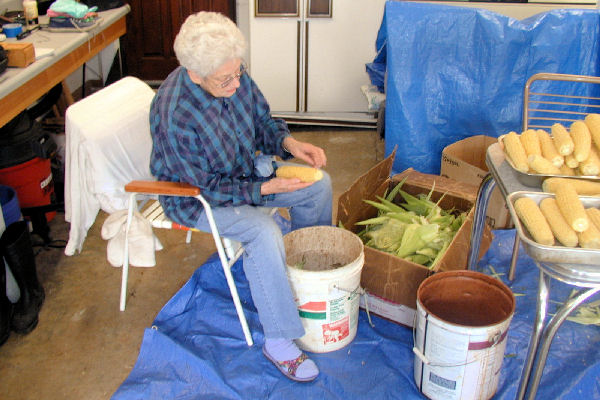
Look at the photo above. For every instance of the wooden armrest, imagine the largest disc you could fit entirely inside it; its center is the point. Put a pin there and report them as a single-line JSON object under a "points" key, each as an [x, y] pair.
{"points": [[162, 187]]}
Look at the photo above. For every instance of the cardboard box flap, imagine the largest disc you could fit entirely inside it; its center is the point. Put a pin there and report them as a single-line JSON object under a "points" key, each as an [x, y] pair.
{"points": [[470, 150], [445, 185], [351, 207], [465, 161]]}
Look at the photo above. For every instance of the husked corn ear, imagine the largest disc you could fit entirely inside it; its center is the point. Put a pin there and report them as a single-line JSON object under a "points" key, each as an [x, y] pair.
{"points": [[594, 216], [530, 214], [542, 166], [582, 140], [531, 142], [591, 166], [548, 150], [571, 162], [562, 139], [571, 207], [593, 123], [559, 226], [583, 187], [305, 174], [565, 170], [515, 151], [590, 238]]}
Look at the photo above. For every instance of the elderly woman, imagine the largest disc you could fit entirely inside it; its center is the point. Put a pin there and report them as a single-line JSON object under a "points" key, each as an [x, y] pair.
{"points": [[211, 127]]}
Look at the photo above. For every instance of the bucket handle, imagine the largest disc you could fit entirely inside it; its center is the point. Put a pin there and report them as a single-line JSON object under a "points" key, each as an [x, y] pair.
{"points": [[493, 342], [361, 291]]}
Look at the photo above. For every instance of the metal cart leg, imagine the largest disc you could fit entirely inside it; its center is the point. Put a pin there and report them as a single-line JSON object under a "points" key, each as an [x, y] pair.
{"points": [[555, 322], [542, 306], [483, 198]]}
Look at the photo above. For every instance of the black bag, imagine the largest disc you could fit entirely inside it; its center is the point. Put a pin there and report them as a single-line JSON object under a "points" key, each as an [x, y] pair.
{"points": [[3, 60], [103, 5]]}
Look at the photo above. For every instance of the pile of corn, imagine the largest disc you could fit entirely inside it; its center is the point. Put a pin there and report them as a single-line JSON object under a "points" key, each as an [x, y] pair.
{"points": [[417, 230], [562, 219], [571, 152]]}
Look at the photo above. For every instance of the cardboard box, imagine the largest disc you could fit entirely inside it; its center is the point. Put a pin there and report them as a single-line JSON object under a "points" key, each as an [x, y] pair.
{"points": [[392, 282], [19, 54], [465, 161]]}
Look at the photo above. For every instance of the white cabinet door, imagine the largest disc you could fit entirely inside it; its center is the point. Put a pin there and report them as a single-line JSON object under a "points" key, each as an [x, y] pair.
{"points": [[337, 51], [274, 60], [312, 64]]}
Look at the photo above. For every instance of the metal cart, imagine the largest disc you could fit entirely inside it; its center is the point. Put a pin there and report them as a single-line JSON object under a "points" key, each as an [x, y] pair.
{"points": [[548, 98]]}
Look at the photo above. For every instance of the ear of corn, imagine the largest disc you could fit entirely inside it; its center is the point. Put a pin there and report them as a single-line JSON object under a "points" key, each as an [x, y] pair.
{"points": [[565, 170], [533, 219], [305, 174], [590, 238], [593, 123], [590, 166], [515, 151], [542, 166], [582, 140], [559, 226], [562, 139], [583, 187], [571, 161], [548, 150], [531, 142], [571, 207], [594, 216]]}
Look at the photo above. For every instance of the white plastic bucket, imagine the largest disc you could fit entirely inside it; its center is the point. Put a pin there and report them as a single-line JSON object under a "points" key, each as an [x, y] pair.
{"points": [[324, 264], [462, 322]]}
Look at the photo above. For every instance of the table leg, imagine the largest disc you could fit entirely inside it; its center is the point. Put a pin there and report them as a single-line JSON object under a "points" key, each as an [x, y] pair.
{"points": [[555, 322], [483, 196], [542, 307]]}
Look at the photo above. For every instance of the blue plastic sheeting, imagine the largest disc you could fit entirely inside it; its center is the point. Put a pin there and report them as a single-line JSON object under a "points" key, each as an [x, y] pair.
{"points": [[197, 349], [455, 72]]}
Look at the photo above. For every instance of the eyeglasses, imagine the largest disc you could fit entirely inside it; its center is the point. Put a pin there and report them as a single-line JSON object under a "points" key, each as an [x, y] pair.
{"points": [[227, 81]]}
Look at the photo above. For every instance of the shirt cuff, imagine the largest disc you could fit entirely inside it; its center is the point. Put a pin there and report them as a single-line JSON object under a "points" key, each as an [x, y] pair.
{"points": [[257, 198], [283, 145]]}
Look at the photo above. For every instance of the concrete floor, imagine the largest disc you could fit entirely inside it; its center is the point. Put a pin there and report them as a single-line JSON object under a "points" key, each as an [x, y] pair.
{"points": [[83, 346]]}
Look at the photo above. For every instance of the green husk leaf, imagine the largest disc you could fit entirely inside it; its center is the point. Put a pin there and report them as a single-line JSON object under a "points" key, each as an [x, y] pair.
{"points": [[395, 190]]}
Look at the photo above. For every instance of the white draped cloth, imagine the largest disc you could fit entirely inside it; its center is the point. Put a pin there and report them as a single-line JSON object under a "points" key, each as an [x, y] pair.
{"points": [[108, 144]]}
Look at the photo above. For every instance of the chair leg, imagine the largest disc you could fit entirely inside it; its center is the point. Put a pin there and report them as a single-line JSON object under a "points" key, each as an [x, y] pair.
{"points": [[125, 272], [227, 272]]}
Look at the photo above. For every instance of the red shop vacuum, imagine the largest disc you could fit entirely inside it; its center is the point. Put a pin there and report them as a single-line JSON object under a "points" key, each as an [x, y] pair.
{"points": [[26, 151]]}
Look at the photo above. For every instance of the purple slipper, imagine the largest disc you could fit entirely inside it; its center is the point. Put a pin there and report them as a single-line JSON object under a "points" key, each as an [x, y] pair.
{"points": [[289, 367]]}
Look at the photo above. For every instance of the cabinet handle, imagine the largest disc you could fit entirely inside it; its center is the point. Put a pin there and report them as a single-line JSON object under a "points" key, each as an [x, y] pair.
{"points": [[298, 63], [306, 68]]}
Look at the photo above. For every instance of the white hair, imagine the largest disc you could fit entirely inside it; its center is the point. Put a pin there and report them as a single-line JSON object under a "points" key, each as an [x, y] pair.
{"points": [[206, 41]]}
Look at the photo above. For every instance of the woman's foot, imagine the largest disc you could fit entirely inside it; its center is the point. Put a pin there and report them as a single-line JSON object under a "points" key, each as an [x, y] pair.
{"points": [[290, 360]]}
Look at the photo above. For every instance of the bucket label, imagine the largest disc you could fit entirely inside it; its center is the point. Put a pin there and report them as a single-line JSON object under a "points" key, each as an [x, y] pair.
{"points": [[313, 310], [337, 308], [445, 383], [336, 331]]}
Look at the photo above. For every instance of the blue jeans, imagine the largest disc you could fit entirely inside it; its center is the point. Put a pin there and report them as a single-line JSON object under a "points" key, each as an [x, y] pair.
{"points": [[264, 255]]}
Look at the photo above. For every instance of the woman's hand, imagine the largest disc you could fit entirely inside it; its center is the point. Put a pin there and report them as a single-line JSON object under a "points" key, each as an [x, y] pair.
{"points": [[313, 155], [282, 185]]}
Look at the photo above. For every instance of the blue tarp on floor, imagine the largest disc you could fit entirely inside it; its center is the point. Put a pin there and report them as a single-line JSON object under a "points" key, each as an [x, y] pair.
{"points": [[196, 349], [454, 72]]}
